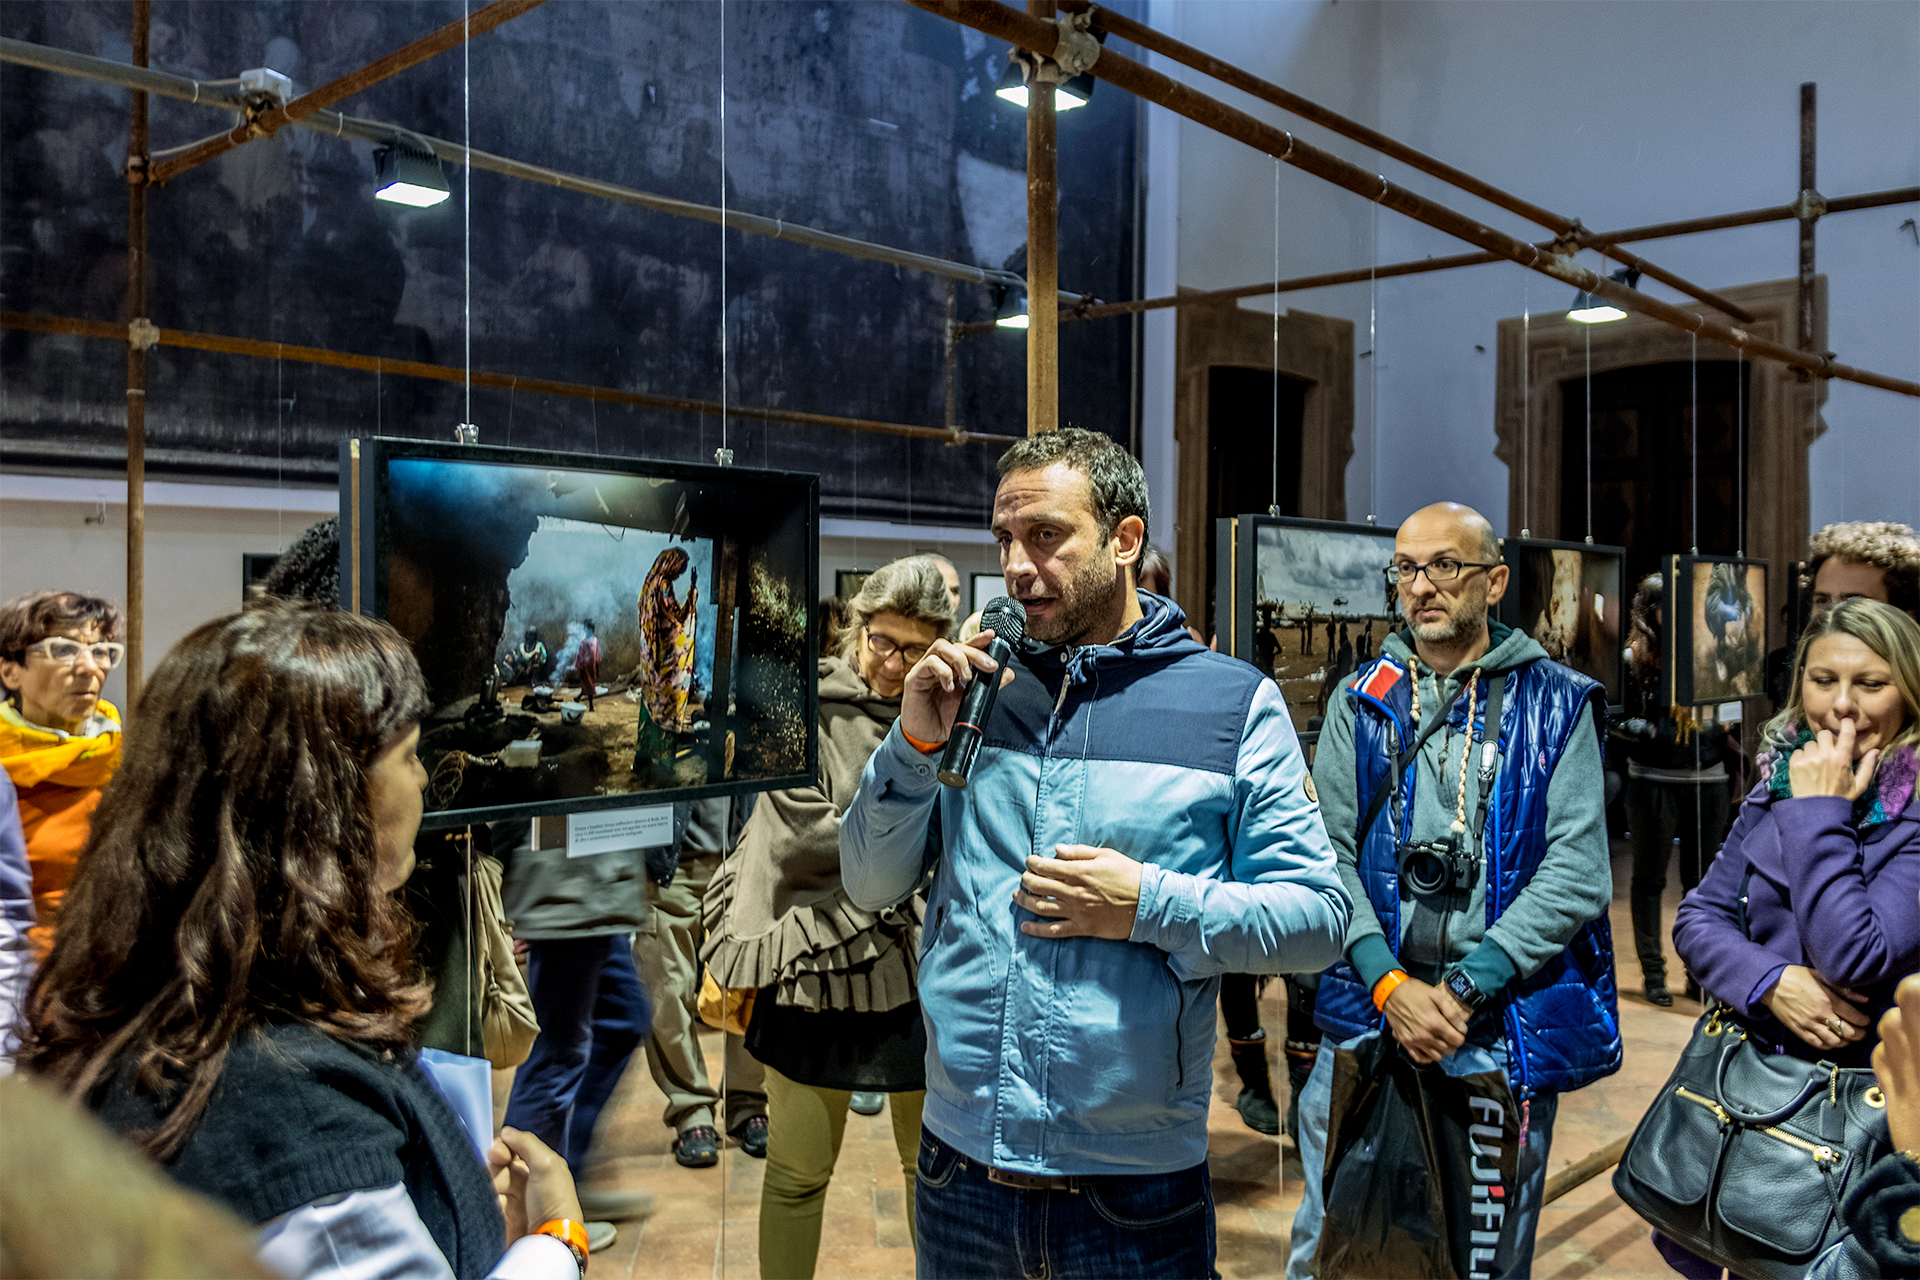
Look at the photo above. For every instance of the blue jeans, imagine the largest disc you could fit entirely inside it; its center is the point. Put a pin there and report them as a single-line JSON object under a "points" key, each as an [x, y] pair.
{"points": [[593, 1014], [1148, 1225], [1316, 1101]]}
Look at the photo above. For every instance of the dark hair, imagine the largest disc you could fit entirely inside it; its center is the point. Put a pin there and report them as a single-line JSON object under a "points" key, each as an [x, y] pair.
{"points": [[833, 616], [310, 568], [231, 878], [1889, 547], [1114, 478], [31, 618]]}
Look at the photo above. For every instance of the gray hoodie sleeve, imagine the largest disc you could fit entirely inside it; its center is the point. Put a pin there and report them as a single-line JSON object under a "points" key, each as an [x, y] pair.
{"points": [[1574, 883]]}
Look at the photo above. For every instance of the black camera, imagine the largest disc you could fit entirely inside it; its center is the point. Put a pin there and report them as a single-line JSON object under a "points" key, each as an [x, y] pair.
{"points": [[1435, 866]]}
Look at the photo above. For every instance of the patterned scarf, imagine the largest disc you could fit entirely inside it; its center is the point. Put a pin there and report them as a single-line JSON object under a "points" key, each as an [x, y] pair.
{"points": [[1885, 798]]}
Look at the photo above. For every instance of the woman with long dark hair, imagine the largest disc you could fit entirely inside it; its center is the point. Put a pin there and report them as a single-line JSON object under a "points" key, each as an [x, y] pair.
{"points": [[231, 987]]}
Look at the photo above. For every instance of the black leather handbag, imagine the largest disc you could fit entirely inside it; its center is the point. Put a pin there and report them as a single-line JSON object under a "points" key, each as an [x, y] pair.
{"points": [[1745, 1157]]}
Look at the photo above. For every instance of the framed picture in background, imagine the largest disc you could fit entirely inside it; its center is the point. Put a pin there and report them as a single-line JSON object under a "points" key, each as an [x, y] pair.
{"points": [[1716, 609], [1306, 601], [1568, 596], [254, 568], [596, 632], [847, 582], [984, 587]]}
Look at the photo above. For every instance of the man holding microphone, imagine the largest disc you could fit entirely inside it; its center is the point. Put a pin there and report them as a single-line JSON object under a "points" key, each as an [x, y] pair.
{"points": [[1138, 821]]}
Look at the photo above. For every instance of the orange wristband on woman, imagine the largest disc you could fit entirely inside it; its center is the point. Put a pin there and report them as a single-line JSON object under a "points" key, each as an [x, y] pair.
{"points": [[1386, 986], [568, 1232], [924, 748]]}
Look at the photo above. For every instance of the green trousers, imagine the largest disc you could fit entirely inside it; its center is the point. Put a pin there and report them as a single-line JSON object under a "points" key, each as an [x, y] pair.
{"points": [[804, 1128]]}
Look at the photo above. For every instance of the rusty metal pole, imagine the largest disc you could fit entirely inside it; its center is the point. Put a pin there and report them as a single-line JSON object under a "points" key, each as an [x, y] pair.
{"points": [[1808, 207], [1043, 250], [137, 366]]}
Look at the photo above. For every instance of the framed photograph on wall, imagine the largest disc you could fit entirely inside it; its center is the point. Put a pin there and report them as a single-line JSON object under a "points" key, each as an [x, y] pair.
{"points": [[847, 582], [1306, 601], [1568, 597], [254, 568], [983, 588], [597, 633], [1717, 625]]}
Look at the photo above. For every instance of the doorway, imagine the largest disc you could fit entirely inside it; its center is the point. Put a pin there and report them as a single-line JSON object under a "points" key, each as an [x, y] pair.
{"points": [[1659, 479], [1249, 413], [1231, 364]]}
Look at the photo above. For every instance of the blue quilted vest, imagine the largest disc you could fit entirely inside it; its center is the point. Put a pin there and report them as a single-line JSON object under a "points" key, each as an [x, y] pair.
{"points": [[1563, 1022]]}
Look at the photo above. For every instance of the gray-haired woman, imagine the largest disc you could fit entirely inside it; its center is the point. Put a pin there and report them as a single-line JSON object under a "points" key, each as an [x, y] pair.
{"points": [[838, 1009]]}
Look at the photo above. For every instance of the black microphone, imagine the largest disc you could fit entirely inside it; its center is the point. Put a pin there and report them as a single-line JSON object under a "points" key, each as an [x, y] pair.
{"points": [[1007, 619]]}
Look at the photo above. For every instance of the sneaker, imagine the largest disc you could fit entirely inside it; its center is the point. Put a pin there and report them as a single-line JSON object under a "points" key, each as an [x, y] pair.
{"points": [[600, 1204], [698, 1147], [600, 1235], [867, 1104], [751, 1134]]}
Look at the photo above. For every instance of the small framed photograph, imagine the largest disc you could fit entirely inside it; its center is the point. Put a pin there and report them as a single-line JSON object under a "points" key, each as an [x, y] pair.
{"points": [[847, 582], [1716, 638], [1568, 596], [254, 568]]}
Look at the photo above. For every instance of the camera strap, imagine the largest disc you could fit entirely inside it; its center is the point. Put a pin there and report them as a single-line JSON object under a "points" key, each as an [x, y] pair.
{"points": [[1407, 757]]}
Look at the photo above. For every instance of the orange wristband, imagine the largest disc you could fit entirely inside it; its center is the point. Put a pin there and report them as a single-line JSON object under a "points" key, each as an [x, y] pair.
{"points": [[568, 1232], [924, 748], [1385, 987]]}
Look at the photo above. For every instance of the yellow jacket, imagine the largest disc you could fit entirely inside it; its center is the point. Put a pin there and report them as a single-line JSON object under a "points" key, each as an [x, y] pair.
{"points": [[59, 779]]}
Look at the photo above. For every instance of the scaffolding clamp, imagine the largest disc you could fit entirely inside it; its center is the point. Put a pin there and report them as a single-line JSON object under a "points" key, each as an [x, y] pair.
{"points": [[143, 334], [1073, 53], [1809, 205]]}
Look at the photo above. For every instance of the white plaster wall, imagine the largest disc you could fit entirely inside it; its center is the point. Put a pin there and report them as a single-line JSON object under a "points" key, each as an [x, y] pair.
{"points": [[1616, 113], [192, 557]]}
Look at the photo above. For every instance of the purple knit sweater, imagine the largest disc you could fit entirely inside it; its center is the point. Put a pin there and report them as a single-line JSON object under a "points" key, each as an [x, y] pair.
{"points": [[1820, 896]]}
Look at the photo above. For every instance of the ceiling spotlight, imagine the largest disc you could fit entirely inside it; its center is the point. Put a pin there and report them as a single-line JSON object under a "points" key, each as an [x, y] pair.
{"points": [[404, 174], [1011, 313], [1590, 308], [1074, 93]]}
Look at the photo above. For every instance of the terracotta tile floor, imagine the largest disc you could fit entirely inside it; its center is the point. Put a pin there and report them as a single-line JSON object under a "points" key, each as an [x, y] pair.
{"points": [[704, 1222]]}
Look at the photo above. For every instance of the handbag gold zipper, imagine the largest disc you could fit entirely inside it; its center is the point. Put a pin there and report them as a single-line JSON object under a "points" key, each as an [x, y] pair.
{"points": [[1708, 1103], [1823, 1154]]}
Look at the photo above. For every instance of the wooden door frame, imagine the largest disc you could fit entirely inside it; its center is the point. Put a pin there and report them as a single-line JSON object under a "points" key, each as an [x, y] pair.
{"points": [[1783, 415], [1316, 350]]}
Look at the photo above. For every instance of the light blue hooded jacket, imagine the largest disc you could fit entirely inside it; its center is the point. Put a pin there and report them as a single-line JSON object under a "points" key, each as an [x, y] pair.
{"points": [[1090, 1055]]}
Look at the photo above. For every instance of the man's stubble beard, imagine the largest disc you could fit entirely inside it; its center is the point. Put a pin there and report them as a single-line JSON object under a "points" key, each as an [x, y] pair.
{"points": [[1462, 622], [1084, 599]]}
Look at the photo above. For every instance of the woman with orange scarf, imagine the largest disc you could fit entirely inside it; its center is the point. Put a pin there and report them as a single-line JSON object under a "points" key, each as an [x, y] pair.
{"points": [[59, 741]]}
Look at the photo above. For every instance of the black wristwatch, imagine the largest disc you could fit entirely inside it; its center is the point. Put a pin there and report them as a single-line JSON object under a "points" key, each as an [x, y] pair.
{"points": [[1461, 984]]}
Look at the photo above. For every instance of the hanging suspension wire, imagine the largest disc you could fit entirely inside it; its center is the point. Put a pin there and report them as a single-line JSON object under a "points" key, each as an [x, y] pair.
{"points": [[1373, 369], [1526, 407], [725, 455], [1273, 508], [1693, 443], [466, 219], [1589, 341]]}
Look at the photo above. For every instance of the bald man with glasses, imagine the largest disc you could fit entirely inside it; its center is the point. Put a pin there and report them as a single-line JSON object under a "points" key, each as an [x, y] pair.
{"points": [[1481, 880]]}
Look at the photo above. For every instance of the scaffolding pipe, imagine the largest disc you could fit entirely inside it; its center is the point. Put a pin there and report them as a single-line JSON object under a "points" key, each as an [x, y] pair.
{"points": [[1213, 297], [1809, 211], [133, 336], [40, 323], [254, 126], [1043, 246], [334, 124], [1225, 72], [1010, 24]]}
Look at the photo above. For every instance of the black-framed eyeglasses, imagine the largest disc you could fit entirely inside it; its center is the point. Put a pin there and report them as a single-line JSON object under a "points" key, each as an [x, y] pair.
{"points": [[884, 649], [1437, 571], [63, 652]]}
